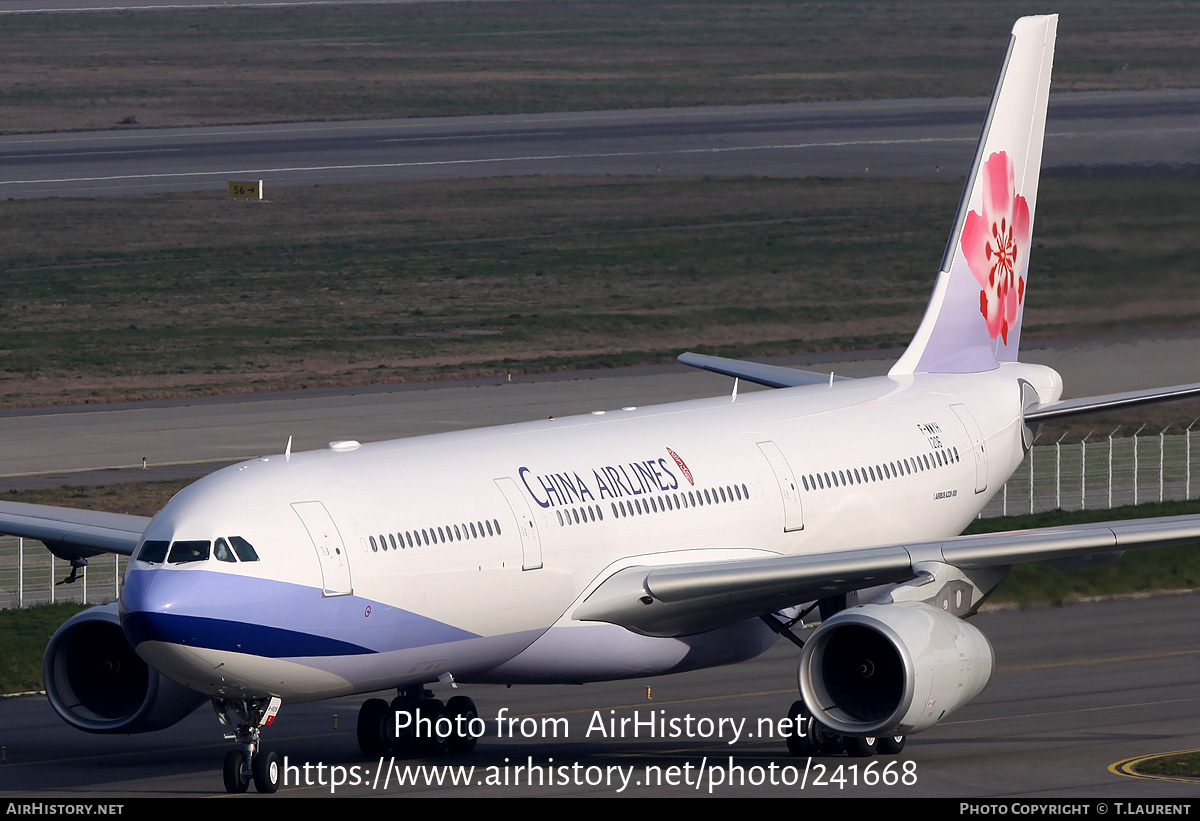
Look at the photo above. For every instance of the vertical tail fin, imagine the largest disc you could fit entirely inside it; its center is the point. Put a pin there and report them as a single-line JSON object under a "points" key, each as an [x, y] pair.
{"points": [[973, 321]]}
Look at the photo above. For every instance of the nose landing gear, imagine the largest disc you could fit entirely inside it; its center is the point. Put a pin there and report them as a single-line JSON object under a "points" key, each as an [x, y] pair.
{"points": [[248, 762]]}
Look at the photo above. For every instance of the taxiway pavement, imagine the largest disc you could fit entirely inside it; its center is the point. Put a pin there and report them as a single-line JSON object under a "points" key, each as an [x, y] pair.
{"points": [[1125, 132], [97, 444]]}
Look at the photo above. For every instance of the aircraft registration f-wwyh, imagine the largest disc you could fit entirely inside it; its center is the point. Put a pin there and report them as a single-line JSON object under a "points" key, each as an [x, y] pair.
{"points": [[631, 543]]}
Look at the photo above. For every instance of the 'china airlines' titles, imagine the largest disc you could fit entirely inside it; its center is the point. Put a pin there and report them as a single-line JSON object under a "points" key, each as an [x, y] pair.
{"points": [[606, 482]]}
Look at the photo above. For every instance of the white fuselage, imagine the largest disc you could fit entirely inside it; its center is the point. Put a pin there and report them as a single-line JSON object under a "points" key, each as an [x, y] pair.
{"points": [[466, 553]]}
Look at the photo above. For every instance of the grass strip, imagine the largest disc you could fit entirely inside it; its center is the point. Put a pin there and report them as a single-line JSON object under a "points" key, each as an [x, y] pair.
{"points": [[1163, 568], [171, 67], [1186, 765], [181, 294]]}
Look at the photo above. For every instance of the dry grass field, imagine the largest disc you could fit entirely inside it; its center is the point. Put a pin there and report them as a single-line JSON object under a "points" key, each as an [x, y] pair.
{"points": [[209, 66], [179, 294]]}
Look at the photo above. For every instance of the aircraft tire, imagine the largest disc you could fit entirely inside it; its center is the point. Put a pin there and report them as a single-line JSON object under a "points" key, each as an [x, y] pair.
{"points": [[372, 731], [235, 772], [461, 711], [266, 772], [892, 744], [402, 744], [803, 740], [427, 743], [857, 747]]}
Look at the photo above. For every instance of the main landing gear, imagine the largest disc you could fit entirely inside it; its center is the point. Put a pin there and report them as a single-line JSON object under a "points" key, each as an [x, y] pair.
{"points": [[248, 762], [416, 723], [810, 737]]}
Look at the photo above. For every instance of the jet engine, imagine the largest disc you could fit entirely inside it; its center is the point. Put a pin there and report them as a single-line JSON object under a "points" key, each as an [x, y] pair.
{"points": [[892, 669], [97, 683]]}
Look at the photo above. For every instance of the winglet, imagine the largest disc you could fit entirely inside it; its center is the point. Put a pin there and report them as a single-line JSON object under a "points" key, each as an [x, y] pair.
{"points": [[973, 321]]}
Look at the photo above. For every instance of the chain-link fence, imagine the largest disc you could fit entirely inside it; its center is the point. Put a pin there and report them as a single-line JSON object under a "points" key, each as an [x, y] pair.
{"points": [[30, 574], [1102, 472]]}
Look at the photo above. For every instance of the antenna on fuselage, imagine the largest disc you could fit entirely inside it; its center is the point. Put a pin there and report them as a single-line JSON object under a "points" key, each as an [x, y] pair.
{"points": [[287, 452], [735, 384]]}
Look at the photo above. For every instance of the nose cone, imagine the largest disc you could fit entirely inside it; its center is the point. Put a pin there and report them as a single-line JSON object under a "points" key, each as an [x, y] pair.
{"points": [[161, 605]]}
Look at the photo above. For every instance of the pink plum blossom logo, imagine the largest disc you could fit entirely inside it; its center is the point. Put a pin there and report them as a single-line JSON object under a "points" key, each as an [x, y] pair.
{"points": [[996, 245]]}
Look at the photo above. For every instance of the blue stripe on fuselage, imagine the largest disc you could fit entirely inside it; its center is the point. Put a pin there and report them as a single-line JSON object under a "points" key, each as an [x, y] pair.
{"points": [[237, 637], [273, 619]]}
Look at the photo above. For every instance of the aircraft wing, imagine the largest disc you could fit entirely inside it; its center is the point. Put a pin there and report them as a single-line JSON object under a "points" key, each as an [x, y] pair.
{"points": [[70, 533], [1092, 404], [773, 376], [679, 600]]}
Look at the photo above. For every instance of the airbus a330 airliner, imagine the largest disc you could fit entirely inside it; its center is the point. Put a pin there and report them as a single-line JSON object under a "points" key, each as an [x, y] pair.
{"points": [[632, 543]]}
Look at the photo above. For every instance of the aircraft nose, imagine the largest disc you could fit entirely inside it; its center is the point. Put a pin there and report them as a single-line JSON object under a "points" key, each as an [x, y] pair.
{"points": [[155, 604]]}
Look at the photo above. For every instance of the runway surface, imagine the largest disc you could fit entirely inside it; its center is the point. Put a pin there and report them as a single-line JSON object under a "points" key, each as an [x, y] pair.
{"points": [[185, 438], [1076, 690], [1129, 131]]}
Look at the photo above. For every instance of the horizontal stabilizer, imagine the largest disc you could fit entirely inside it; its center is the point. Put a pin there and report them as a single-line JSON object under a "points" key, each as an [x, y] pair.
{"points": [[686, 599], [1092, 404], [773, 376], [70, 533]]}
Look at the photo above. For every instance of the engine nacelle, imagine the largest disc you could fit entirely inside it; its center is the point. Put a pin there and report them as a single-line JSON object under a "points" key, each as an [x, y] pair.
{"points": [[892, 669], [97, 683]]}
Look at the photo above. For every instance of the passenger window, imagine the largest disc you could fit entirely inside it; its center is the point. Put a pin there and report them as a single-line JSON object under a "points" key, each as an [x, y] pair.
{"points": [[194, 550]]}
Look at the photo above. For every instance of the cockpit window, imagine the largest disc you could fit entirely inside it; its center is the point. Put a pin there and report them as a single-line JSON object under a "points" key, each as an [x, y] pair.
{"points": [[223, 552], [153, 550], [189, 551], [245, 551]]}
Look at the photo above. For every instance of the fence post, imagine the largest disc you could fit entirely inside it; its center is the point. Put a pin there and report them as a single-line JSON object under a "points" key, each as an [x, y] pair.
{"points": [[1135, 465], [1058, 472], [1031, 449], [1083, 471], [1110, 447], [1162, 434], [1187, 446]]}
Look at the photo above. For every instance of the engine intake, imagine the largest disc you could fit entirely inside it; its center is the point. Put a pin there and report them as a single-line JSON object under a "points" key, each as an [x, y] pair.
{"points": [[892, 669], [97, 683]]}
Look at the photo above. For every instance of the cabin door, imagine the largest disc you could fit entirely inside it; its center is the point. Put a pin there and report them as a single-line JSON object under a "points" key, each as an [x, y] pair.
{"points": [[531, 543], [978, 449], [331, 552], [793, 509]]}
